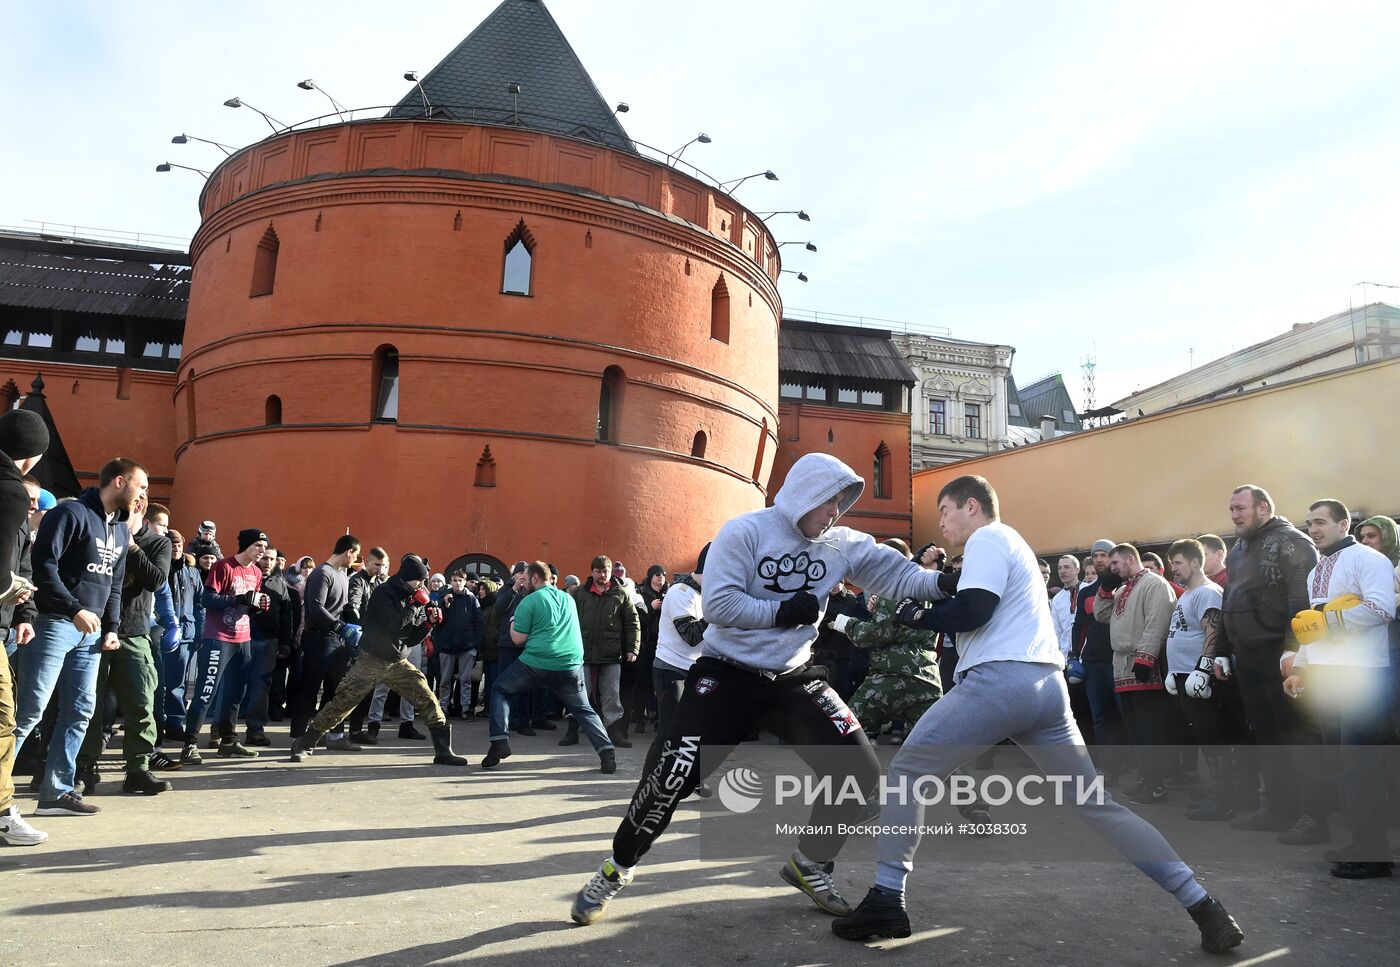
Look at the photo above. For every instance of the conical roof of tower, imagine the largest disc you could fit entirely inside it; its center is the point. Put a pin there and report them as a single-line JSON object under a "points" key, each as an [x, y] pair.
{"points": [[518, 43]]}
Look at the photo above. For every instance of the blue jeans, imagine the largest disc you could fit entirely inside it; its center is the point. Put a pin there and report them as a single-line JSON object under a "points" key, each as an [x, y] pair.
{"points": [[567, 686], [520, 703], [60, 656], [243, 677], [213, 656], [170, 693]]}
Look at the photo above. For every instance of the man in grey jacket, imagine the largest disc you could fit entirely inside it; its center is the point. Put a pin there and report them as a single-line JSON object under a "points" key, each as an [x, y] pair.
{"points": [[768, 576]]}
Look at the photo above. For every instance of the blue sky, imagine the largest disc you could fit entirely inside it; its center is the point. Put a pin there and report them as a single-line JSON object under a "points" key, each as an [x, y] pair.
{"points": [[1136, 180]]}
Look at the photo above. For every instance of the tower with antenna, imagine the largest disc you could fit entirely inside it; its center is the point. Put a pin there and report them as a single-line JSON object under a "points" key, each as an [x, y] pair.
{"points": [[1087, 366]]}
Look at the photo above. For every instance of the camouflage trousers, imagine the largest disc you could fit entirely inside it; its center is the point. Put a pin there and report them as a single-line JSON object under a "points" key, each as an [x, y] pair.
{"points": [[369, 671], [882, 699]]}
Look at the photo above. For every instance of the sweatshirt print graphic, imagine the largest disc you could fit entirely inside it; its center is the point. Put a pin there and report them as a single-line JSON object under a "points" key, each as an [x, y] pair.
{"points": [[761, 559]]}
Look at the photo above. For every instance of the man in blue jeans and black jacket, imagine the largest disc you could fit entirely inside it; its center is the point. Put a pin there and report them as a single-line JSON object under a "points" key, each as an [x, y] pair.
{"points": [[79, 562]]}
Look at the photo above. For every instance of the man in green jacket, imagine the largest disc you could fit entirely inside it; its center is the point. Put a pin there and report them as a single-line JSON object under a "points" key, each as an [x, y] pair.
{"points": [[612, 634]]}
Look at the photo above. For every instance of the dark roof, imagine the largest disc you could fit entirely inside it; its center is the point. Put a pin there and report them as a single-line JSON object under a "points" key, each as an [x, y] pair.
{"points": [[1015, 415], [86, 283], [1049, 397], [519, 43], [55, 472], [821, 350]]}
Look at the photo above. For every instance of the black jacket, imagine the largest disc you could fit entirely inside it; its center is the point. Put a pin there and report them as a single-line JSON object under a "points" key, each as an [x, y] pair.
{"points": [[1090, 638], [12, 616], [147, 568], [14, 516], [80, 560], [651, 617], [275, 624], [1268, 585], [463, 624], [392, 622], [506, 600], [361, 587]]}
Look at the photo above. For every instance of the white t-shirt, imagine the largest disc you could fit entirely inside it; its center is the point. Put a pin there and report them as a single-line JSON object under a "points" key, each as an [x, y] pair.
{"points": [[681, 601], [998, 559], [1185, 635]]}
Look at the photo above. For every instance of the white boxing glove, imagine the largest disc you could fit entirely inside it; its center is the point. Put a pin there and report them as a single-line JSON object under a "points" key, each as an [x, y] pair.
{"points": [[840, 622], [1170, 683], [1198, 682]]}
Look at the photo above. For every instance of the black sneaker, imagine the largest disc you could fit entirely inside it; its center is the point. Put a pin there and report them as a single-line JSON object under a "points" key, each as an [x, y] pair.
{"points": [[1259, 821], [881, 914], [1305, 832], [1362, 871], [142, 783], [607, 761], [1145, 795], [257, 737], [1210, 810], [1184, 780], [163, 762], [526, 729], [500, 749], [703, 791], [362, 738], [189, 755], [407, 731], [1219, 931], [543, 725], [68, 804]]}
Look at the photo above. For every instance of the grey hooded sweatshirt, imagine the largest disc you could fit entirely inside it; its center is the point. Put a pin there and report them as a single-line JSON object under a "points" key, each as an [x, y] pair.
{"points": [[760, 559]]}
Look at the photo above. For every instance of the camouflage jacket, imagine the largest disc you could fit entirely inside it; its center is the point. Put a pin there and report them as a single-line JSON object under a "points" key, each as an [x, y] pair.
{"points": [[895, 649]]}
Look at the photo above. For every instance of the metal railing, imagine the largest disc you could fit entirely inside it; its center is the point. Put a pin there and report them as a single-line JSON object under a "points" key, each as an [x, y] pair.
{"points": [[503, 117], [866, 322], [106, 236]]}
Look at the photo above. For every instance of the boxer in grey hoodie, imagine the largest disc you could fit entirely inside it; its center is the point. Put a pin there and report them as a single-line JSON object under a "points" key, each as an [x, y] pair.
{"points": [[767, 579]]}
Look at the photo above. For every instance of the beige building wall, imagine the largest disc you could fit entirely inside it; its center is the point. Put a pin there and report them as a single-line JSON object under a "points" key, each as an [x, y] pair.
{"points": [[1170, 475]]}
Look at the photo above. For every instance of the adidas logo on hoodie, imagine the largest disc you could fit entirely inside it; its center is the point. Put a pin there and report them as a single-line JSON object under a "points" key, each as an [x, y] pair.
{"points": [[107, 553]]}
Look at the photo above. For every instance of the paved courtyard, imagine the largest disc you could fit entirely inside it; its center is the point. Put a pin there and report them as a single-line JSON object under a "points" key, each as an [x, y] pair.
{"points": [[380, 858]]}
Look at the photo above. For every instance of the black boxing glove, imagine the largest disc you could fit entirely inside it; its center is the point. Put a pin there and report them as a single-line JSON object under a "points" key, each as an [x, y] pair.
{"points": [[1108, 581], [938, 561], [250, 598], [911, 612], [800, 609]]}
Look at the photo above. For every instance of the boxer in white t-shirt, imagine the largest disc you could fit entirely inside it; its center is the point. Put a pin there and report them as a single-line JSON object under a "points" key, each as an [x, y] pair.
{"points": [[1009, 686]]}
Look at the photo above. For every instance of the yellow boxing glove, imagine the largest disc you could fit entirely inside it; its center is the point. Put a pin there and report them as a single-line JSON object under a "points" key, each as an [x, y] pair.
{"points": [[1309, 627], [1333, 609]]}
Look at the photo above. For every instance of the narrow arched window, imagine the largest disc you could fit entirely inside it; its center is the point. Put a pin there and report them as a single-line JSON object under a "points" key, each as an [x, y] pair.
{"points": [[386, 384], [485, 469], [719, 311], [610, 404], [265, 264], [519, 261], [190, 406], [272, 411], [882, 471], [697, 446]]}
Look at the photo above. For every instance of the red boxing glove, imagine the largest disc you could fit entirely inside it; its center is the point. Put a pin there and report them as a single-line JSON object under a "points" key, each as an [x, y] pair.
{"points": [[434, 616], [421, 596], [428, 648]]}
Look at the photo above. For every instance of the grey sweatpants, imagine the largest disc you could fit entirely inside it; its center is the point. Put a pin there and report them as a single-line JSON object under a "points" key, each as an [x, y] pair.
{"points": [[1029, 704]]}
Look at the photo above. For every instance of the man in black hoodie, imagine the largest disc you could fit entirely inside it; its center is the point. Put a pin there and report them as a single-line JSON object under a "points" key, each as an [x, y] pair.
{"points": [[131, 669], [79, 562], [396, 619], [23, 439]]}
